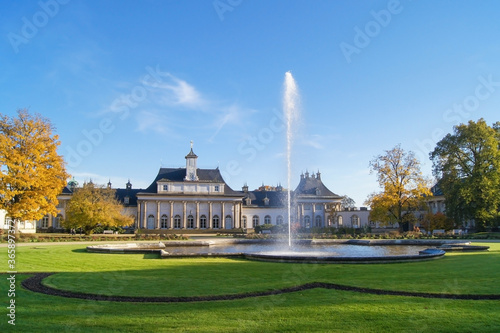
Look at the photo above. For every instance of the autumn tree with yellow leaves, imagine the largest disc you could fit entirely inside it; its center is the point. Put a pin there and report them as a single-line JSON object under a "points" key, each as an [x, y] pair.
{"points": [[404, 188], [32, 173], [94, 205]]}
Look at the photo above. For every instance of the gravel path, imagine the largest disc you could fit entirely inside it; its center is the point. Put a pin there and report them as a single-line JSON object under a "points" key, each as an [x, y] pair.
{"points": [[34, 283]]}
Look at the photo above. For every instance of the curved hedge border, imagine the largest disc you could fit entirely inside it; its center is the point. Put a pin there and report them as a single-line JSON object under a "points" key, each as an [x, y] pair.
{"points": [[34, 284]]}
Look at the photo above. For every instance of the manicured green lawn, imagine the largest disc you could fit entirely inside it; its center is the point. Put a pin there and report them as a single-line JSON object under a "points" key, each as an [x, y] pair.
{"points": [[306, 311]]}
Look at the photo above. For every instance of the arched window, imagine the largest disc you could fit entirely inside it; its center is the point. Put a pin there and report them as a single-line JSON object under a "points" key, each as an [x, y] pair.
{"points": [[164, 221], [267, 219], [177, 222], [203, 222], [228, 222], [307, 221], [317, 221], [340, 221], [244, 220], [151, 222], [215, 222], [190, 222], [355, 221], [44, 222], [279, 220], [255, 221], [57, 221]]}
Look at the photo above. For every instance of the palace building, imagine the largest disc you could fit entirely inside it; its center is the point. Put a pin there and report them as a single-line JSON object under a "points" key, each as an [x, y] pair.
{"points": [[193, 198]]}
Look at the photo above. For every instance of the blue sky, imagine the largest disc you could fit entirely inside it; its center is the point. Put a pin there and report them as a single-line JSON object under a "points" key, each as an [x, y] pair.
{"points": [[128, 84]]}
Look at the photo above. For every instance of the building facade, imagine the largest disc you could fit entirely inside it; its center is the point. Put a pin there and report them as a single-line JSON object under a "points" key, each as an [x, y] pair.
{"points": [[193, 198]]}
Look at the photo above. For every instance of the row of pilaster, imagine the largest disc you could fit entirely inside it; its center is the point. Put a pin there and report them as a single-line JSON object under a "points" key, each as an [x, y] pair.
{"points": [[142, 214]]}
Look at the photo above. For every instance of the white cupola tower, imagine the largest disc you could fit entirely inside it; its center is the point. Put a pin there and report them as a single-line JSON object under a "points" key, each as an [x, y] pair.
{"points": [[191, 165]]}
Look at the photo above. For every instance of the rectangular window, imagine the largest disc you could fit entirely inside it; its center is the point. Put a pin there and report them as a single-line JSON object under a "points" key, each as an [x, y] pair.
{"points": [[216, 188], [165, 187], [126, 200]]}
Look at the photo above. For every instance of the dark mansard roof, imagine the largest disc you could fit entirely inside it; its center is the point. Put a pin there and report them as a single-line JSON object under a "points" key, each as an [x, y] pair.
{"points": [[312, 185], [258, 198], [121, 193], [179, 174]]}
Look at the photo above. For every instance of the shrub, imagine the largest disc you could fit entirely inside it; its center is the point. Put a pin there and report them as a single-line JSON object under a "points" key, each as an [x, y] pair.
{"points": [[260, 228]]}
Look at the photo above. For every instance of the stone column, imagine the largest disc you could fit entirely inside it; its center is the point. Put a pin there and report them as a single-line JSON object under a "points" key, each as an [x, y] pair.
{"points": [[210, 226], [157, 215], [138, 215], [301, 218], [324, 215], [184, 217], [197, 217], [144, 215], [236, 215], [223, 217], [171, 225], [314, 215]]}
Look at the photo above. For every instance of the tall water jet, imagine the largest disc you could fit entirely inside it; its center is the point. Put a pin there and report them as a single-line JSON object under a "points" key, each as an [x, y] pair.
{"points": [[290, 109]]}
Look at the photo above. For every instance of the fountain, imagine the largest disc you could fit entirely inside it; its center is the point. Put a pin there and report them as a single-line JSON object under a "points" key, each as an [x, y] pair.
{"points": [[305, 251], [290, 109]]}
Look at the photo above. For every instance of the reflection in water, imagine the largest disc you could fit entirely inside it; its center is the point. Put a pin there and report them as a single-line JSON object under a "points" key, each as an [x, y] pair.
{"points": [[341, 250]]}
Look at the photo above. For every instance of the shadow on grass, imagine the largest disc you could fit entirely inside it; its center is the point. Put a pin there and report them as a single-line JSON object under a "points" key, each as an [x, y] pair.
{"points": [[151, 256], [82, 250]]}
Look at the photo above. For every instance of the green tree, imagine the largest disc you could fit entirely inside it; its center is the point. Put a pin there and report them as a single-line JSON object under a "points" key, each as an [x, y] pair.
{"points": [[404, 187], [92, 206], [467, 163], [437, 221], [32, 174]]}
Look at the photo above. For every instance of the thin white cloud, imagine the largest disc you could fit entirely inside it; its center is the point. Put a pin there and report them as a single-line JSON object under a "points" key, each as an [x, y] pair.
{"points": [[172, 91], [229, 115], [160, 104]]}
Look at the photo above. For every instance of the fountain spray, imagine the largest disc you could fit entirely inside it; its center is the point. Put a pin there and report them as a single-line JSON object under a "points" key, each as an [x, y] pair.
{"points": [[290, 109]]}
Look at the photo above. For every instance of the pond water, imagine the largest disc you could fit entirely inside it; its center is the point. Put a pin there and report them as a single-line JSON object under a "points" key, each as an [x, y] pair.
{"points": [[337, 250]]}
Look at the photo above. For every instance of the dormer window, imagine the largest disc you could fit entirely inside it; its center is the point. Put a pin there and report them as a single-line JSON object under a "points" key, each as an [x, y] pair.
{"points": [[318, 191], [248, 201], [266, 201], [216, 188], [126, 200]]}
